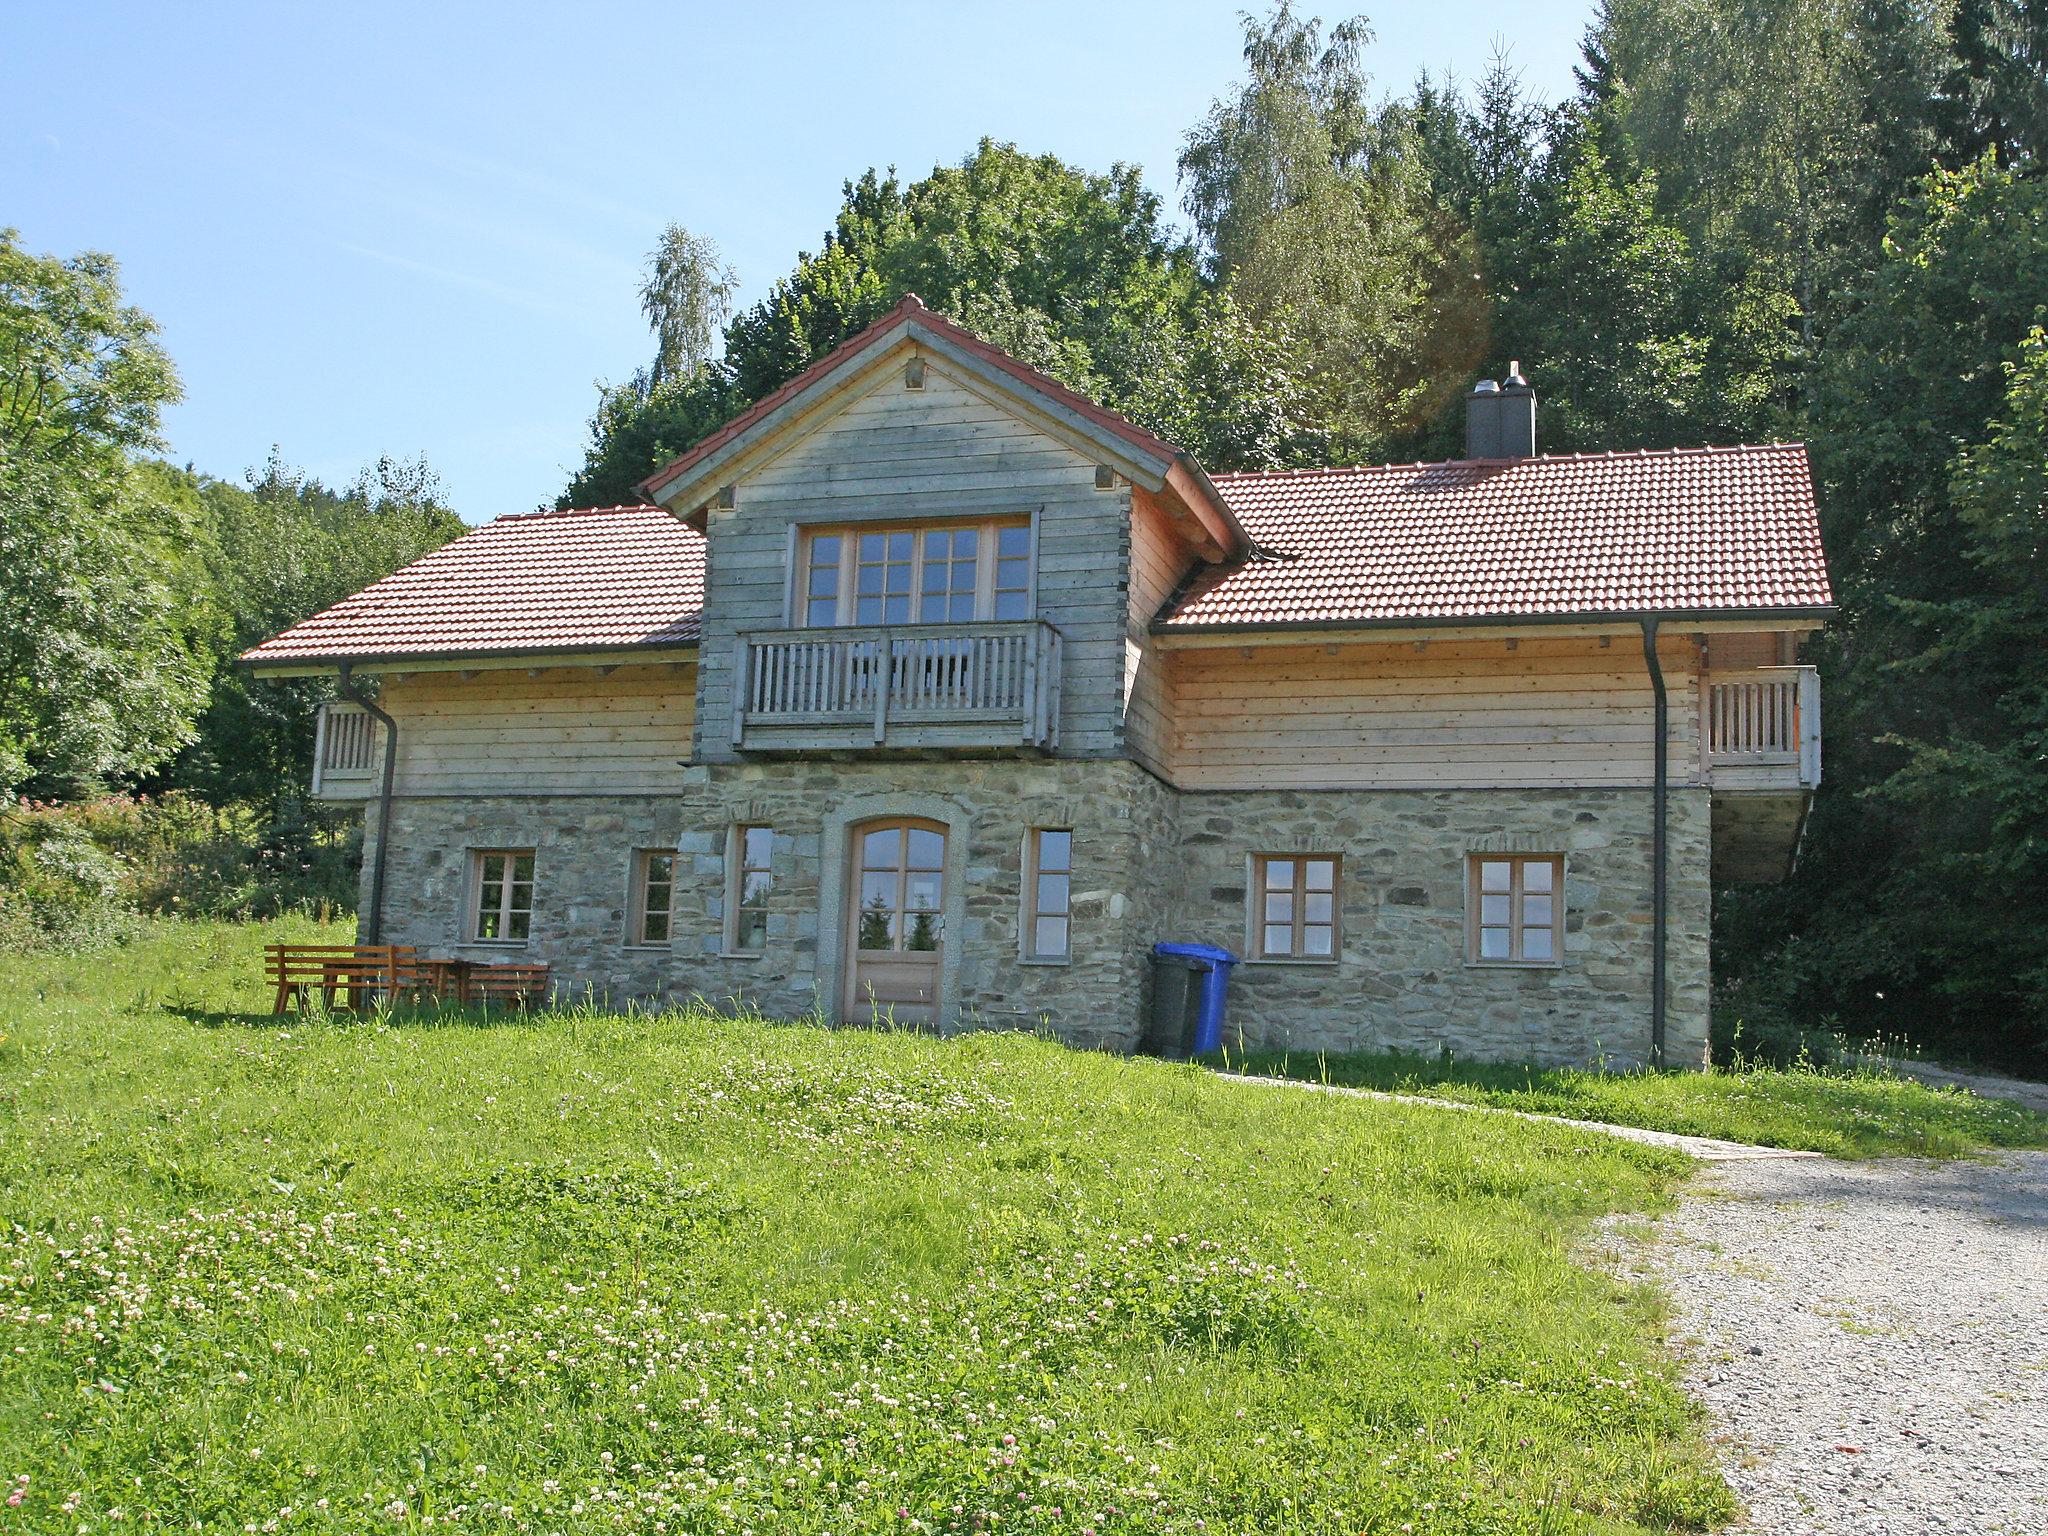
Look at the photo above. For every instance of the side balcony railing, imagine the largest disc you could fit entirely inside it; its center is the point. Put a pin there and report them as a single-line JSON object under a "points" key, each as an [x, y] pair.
{"points": [[941, 685], [347, 747], [1767, 721]]}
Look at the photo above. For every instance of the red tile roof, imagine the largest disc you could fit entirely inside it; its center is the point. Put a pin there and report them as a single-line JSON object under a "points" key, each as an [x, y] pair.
{"points": [[911, 308], [536, 582], [1678, 530]]}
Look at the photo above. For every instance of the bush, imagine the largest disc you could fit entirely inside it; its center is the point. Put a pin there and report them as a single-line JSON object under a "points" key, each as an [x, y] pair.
{"points": [[1752, 1028], [76, 876]]}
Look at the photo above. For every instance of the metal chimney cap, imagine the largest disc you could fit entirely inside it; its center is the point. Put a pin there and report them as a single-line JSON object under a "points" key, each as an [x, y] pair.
{"points": [[1514, 380], [1486, 387]]}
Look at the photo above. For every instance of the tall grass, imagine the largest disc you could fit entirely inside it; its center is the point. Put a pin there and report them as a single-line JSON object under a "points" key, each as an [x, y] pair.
{"points": [[693, 1272]]}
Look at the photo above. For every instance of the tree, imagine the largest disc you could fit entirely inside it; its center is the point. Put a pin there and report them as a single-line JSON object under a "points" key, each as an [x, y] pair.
{"points": [[276, 552], [1075, 273], [1904, 916], [686, 298], [101, 670], [1316, 215]]}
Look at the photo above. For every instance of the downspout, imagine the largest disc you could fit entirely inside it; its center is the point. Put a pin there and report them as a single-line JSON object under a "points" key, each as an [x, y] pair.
{"points": [[1660, 903], [373, 920]]}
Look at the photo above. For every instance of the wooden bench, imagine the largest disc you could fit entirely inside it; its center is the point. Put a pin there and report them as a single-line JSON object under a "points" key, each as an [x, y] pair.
{"points": [[463, 982], [359, 971], [522, 986]]}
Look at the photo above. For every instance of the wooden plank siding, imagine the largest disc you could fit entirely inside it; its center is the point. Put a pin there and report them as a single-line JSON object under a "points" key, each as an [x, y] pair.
{"points": [[1159, 558], [1447, 714], [568, 729], [893, 454]]}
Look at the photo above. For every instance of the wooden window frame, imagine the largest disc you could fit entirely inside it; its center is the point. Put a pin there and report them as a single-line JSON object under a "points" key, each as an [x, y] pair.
{"points": [[736, 871], [1027, 932], [639, 909], [845, 602], [1298, 924], [473, 896], [1517, 895]]}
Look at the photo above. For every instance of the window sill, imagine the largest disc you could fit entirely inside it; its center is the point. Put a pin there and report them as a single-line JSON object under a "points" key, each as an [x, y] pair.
{"points": [[496, 944], [1294, 960], [1056, 961], [1514, 965], [663, 948], [743, 954]]}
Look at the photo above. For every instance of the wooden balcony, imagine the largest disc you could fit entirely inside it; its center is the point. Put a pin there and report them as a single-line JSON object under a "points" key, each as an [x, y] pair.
{"points": [[1762, 728], [1761, 732], [347, 752], [914, 687]]}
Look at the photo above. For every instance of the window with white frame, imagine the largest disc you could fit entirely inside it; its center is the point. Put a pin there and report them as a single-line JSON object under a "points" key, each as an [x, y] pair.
{"points": [[926, 573], [1515, 908], [749, 877], [501, 895], [654, 897], [1294, 906], [1049, 893]]}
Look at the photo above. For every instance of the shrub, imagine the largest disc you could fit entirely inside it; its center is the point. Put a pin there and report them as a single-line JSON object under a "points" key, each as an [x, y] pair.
{"points": [[75, 876]]}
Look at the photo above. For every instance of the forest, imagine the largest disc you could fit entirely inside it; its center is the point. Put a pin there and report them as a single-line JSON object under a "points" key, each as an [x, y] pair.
{"points": [[1753, 220]]}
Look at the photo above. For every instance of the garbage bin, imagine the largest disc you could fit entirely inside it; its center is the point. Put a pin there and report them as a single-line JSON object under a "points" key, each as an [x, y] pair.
{"points": [[1190, 982]]}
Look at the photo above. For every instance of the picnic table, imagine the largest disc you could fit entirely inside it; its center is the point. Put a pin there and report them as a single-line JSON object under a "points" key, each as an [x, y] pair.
{"points": [[359, 972]]}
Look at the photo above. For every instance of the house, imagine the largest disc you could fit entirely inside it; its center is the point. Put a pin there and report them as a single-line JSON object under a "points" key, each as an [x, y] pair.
{"points": [[929, 685]]}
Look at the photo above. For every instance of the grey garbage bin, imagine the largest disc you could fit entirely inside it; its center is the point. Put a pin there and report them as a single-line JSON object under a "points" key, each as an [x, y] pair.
{"points": [[1176, 1006]]}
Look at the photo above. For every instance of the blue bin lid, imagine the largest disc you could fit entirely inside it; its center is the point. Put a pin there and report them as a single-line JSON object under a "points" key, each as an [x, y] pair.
{"points": [[1207, 952]]}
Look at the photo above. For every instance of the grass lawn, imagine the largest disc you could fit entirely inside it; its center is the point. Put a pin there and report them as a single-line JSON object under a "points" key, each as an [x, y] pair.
{"points": [[1861, 1113], [690, 1273]]}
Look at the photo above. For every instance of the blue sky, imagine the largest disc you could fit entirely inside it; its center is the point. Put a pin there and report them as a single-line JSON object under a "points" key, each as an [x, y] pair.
{"points": [[418, 228]]}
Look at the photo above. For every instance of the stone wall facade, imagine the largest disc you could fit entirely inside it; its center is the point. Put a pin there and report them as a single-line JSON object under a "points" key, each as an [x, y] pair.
{"points": [[1150, 863]]}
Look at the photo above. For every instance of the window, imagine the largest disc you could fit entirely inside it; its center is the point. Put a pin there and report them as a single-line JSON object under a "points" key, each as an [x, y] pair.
{"points": [[1515, 909], [1048, 893], [935, 573], [1294, 907], [654, 896], [502, 879], [749, 878]]}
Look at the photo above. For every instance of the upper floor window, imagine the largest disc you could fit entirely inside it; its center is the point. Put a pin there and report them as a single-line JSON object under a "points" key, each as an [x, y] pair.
{"points": [[932, 573]]}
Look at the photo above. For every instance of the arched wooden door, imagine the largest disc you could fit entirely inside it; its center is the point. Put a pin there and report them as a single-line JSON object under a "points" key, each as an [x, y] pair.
{"points": [[895, 921]]}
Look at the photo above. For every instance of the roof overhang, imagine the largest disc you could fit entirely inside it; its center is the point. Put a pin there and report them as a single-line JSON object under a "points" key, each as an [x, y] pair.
{"points": [[470, 661], [1491, 626]]}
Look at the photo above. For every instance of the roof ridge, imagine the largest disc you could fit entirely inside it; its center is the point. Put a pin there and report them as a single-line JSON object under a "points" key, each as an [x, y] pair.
{"points": [[520, 517], [1232, 475]]}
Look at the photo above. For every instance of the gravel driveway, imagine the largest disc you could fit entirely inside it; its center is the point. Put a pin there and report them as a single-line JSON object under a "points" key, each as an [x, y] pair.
{"points": [[1871, 1340]]}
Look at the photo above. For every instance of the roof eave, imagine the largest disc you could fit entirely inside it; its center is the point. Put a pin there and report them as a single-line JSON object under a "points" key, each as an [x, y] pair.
{"points": [[1794, 613], [447, 660]]}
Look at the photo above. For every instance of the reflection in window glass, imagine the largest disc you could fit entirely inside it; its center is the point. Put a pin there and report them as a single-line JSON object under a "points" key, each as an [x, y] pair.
{"points": [[750, 879], [504, 899], [655, 897], [902, 885], [935, 573]]}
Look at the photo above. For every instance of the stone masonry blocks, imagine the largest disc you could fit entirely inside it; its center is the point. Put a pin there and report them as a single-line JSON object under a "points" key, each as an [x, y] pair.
{"points": [[1150, 863]]}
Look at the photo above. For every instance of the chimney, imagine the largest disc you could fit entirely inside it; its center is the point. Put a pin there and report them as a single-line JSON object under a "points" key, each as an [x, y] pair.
{"points": [[1500, 419]]}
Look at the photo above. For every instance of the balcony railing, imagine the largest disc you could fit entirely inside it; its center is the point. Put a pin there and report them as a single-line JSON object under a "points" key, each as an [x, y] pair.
{"points": [[939, 685], [346, 751], [1768, 719]]}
